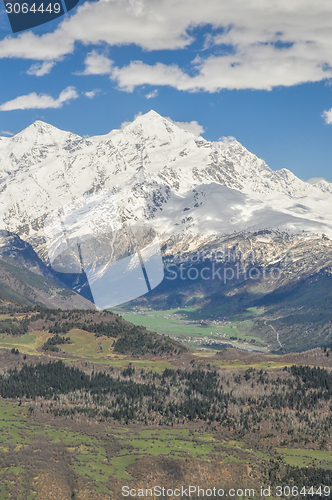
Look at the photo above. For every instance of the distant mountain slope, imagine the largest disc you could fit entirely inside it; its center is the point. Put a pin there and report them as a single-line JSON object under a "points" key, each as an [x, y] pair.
{"points": [[23, 286], [13, 248], [18, 284]]}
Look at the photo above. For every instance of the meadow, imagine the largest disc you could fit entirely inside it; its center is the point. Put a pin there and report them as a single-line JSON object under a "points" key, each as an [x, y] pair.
{"points": [[180, 324], [85, 347], [98, 457]]}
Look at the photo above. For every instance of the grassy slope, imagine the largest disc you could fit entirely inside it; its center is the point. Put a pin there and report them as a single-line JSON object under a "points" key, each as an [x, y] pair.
{"points": [[20, 285], [101, 460], [85, 347], [56, 458]]}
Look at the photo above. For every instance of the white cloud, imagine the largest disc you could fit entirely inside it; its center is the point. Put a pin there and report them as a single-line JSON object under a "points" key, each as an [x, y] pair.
{"points": [[209, 41], [152, 94], [48, 47], [259, 67], [138, 73], [39, 101], [97, 64], [315, 180], [151, 25], [124, 124], [194, 127], [227, 139], [92, 93], [327, 115], [273, 43], [41, 69], [6, 132]]}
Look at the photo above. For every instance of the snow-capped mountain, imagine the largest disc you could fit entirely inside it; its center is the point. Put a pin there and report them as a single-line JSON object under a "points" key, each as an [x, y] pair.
{"points": [[190, 189]]}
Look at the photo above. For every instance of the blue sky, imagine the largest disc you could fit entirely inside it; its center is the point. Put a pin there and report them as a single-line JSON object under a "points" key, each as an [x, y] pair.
{"points": [[258, 71]]}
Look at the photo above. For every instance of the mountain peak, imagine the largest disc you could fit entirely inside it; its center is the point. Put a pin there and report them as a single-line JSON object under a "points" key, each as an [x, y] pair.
{"points": [[38, 126], [150, 117], [153, 126], [40, 132], [152, 113], [40, 123]]}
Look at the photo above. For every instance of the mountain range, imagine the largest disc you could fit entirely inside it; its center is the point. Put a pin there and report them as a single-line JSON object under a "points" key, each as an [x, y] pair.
{"points": [[200, 196], [188, 186]]}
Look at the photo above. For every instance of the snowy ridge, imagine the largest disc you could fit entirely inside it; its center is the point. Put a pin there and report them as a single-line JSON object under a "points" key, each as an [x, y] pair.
{"points": [[188, 187]]}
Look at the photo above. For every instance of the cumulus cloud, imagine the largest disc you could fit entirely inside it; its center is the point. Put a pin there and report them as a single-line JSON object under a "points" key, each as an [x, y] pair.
{"points": [[194, 127], [92, 93], [152, 94], [124, 124], [48, 47], [327, 115], [251, 44], [227, 139], [41, 69], [39, 101], [259, 67], [139, 73], [315, 180], [97, 64]]}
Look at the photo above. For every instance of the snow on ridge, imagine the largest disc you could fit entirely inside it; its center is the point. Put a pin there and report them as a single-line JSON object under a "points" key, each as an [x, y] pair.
{"points": [[157, 171]]}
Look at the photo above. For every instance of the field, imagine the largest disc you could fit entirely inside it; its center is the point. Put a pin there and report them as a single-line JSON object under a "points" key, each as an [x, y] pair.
{"points": [[99, 458], [181, 324], [307, 458], [85, 347], [65, 459], [271, 363], [88, 349]]}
